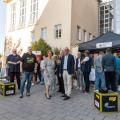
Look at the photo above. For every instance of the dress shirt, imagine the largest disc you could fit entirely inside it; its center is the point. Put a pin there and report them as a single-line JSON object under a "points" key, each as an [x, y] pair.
{"points": [[78, 62], [65, 62]]}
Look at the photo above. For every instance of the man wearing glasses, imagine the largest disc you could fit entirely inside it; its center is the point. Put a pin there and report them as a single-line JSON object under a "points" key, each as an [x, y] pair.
{"points": [[13, 61], [27, 67]]}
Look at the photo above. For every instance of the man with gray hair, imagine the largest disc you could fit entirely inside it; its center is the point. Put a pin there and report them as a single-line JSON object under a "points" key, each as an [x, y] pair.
{"points": [[67, 68]]}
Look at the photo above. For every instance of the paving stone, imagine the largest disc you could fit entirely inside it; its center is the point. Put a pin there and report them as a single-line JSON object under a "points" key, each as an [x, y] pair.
{"points": [[37, 107]]}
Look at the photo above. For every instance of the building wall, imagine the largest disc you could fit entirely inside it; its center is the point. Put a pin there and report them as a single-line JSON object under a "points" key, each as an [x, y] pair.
{"points": [[21, 36], [51, 13], [67, 13], [84, 15], [114, 19], [116, 4], [56, 12], [106, 17]]}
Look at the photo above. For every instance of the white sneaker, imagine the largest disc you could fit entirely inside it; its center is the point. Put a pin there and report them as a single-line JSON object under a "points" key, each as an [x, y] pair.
{"points": [[118, 89], [33, 84], [77, 88], [96, 90], [81, 88]]}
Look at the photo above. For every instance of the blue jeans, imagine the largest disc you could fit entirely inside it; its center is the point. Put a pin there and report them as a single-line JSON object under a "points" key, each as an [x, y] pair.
{"points": [[100, 80], [117, 77], [27, 76], [80, 82]]}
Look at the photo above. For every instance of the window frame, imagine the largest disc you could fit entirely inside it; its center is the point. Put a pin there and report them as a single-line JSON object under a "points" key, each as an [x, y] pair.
{"points": [[33, 11], [58, 31]]}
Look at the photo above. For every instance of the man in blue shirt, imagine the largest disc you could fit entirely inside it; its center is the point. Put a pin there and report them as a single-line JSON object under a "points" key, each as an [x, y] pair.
{"points": [[117, 70]]}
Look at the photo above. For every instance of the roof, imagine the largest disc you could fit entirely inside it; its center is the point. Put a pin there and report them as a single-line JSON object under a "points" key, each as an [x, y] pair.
{"points": [[109, 37]]}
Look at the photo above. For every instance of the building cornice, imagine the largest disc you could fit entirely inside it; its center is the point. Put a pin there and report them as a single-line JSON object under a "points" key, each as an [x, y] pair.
{"points": [[7, 1]]}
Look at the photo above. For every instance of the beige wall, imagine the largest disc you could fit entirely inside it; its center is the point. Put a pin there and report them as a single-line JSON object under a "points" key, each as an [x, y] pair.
{"points": [[20, 38], [56, 12], [84, 14], [68, 13]]}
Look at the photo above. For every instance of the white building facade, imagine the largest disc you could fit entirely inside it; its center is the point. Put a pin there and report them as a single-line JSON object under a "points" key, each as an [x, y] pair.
{"points": [[109, 16], [22, 16], [60, 23], [116, 16]]}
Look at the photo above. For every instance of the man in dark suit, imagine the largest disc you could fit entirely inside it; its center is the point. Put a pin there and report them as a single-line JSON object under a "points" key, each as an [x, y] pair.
{"points": [[67, 69], [86, 64]]}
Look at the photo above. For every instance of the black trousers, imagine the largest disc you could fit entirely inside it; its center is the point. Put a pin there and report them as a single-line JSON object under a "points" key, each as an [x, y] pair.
{"points": [[12, 77], [87, 81], [110, 80], [37, 75], [61, 84]]}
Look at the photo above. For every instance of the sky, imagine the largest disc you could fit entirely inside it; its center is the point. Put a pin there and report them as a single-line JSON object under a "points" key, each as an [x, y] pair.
{"points": [[2, 25]]}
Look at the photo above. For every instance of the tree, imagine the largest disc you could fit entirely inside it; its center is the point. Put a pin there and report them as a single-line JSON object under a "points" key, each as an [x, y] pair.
{"points": [[41, 45], [57, 51]]}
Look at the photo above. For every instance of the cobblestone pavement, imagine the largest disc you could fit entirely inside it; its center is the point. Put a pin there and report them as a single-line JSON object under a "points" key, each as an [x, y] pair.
{"points": [[36, 107]]}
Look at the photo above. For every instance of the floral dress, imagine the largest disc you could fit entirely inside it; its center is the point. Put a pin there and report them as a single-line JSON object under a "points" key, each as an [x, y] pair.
{"points": [[49, 72]]}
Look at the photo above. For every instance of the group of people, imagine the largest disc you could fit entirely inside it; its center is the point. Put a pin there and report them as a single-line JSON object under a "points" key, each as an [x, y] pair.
{"points": [[107, 71], [62, 68]]}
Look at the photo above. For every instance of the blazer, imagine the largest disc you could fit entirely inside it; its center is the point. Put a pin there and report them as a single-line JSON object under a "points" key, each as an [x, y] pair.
{"points": [[76, 66], [86, 67], [70, 64]]}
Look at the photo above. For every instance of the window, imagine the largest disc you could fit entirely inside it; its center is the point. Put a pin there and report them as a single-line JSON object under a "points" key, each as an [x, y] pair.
{"points": [[106, 20], [106, 25], [33, 36], [33, 11], [101, 12], [94, 37], [44, 33], [13, 16], [84, 35], [78, 33], [22, 13], [90, 36], [58, 31], [102, 8]]}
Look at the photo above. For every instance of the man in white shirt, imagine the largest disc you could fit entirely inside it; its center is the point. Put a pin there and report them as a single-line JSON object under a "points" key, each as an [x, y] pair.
{"points": [[67, 68]]}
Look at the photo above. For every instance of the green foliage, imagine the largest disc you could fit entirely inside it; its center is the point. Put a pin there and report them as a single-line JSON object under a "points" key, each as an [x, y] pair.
{"points": [[57, 51], [41, 45]]}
